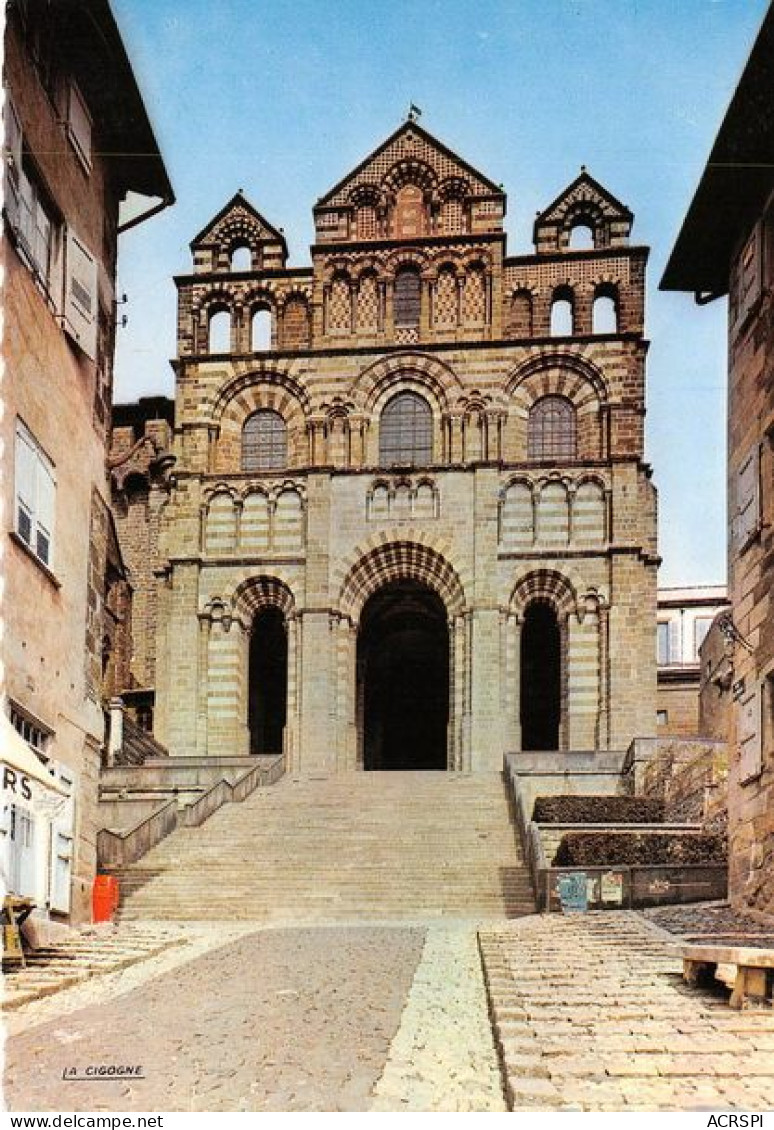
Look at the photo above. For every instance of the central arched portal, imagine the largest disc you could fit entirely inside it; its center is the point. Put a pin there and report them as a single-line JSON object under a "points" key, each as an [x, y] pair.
{"points": [[541, 685], [403, 679], [268, 681]]}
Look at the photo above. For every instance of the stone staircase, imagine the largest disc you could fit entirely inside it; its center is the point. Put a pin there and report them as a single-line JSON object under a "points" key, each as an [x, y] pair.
{"points": [[356, 846]]}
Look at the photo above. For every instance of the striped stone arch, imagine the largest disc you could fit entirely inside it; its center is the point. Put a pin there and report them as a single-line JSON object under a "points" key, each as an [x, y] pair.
{"points": [[447, 260], [388, 373], [410, 170], [293, 293], [477, 257], [254, 376], [399, 560], [264, 389], [560, 587], [260, 592], [216, 489], [548, 585], [557, 372], [564, 374], [407, 257], [221, 295], [262, 295]]}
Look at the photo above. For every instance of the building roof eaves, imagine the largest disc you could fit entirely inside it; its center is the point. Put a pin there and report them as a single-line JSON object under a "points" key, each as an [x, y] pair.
{"points": [[736, 182]]}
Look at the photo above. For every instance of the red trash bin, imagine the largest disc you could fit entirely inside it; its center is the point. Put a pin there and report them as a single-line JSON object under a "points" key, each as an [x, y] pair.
{"points": [[104, 898]]}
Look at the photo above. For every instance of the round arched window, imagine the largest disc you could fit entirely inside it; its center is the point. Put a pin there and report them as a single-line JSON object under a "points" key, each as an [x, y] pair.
{"points": [[408, 291], [551, 431], [406, 431], [264, 442]]}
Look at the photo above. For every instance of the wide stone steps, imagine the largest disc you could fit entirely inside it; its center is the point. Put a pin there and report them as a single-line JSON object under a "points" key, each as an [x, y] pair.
{"points": [[366, 846]]}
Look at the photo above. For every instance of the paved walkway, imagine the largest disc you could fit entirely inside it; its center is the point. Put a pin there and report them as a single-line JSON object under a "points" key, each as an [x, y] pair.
{"points": [[443, 1057], [279, 1020], [591, 1013]]}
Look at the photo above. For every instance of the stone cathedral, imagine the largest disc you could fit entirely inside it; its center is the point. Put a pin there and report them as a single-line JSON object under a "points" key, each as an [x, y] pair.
{"points": [[409, 524]]}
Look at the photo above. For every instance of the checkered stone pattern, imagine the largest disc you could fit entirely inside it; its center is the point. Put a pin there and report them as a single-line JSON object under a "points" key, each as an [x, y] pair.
{"points": [[340, 307], [368, 303], [446, 300], [452, 217], [474, 300]]}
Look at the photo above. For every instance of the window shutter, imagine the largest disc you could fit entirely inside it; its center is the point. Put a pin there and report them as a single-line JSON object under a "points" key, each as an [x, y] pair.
{"points": [[62, 830], [13, 163], [45, 513], [748, 277], [79, 125], [746, 520], [81, 295], [750, 746], [26, 463]]}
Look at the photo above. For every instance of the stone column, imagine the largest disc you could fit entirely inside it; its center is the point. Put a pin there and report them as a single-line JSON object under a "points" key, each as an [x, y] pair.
{"points": [[582, 680], [177, 692], [227, 663], [457, 690], [603, 724], [317, 736], [344, 654], [317, 745], [205, 626], [511, 682], [485, 698], [292, 712]]}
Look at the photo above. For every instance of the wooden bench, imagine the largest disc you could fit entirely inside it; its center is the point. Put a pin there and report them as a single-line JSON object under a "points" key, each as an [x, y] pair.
{"points": [[754, 969]]}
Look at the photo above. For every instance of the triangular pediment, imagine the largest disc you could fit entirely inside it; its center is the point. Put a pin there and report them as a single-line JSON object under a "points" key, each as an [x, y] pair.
{"points": [[584, 190], [410, 152], [238, 218]]}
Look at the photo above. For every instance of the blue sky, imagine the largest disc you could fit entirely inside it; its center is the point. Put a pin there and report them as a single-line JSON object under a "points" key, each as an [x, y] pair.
{"points": [[283, 97]]}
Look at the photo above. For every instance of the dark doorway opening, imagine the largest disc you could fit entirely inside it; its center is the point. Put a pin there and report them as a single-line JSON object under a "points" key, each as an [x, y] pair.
{"points": [[403, 679], [541, 692], [268, 682]]}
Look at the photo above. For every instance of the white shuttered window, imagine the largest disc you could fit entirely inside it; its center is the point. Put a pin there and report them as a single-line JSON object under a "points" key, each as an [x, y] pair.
{"points": [[79, 125], [35, 495], [747, 516], [81, 295]]}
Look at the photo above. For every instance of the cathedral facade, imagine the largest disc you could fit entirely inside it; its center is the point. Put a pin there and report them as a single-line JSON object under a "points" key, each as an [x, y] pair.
{"points": [[409, 524]]}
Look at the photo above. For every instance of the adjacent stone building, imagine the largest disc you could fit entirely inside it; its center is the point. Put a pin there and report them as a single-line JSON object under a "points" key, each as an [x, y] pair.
{"points": [[684, 618], [726, 247], [410, 525], [77, 141]]}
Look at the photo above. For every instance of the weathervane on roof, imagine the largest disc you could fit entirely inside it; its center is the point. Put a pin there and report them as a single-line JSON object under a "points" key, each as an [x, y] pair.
{"points": [[414, 113]]}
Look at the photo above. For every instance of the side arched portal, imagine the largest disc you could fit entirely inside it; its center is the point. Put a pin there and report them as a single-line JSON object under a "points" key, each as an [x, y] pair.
{"points": [[268, 681], [541, 678]]}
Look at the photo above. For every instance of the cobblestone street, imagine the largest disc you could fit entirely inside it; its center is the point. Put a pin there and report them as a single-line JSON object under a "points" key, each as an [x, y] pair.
{"points": [[590, 1013], [279, 1020]]}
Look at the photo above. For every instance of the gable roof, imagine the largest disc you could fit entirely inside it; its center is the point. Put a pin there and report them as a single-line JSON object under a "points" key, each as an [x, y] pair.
{"points": [[409, 141], [584, 188], [237, 202]]}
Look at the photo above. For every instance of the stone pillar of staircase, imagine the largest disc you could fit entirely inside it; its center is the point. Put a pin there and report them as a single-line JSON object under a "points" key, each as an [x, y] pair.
{"points": [[316, 755], [486, 715], [318, 723]]}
